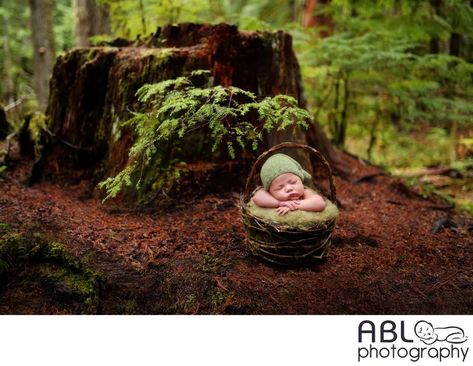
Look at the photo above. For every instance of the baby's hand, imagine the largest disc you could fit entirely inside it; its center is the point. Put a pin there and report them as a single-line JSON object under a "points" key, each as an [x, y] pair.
{"points": [[292, 205], [282, 210]]}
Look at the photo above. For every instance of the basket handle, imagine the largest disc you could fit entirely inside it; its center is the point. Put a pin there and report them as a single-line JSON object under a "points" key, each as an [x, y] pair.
{"points": [[285, 145]]}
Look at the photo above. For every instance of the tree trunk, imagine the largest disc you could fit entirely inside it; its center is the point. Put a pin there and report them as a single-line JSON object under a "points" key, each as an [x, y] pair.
{"points": [[292, 4], [93, 89], [438, 10], [90, 19], [468, 44], [316, 136], [43, 47], [310, 19], [143, 18], [8, 87], [455, 44]]}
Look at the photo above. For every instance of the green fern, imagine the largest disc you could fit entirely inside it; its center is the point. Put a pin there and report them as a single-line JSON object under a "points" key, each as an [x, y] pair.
{"points": [[175, 108]]}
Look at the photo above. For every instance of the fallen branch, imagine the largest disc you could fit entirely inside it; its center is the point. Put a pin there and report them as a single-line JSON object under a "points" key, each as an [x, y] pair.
{"points": [[64, 142], [419, 291], [442, 170], [395, 202], [13, 104], [441, 207], [370, 177], [6, 157]]}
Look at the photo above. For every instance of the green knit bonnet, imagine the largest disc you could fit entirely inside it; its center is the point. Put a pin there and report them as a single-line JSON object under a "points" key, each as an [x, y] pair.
{"points": [[279, 164]]}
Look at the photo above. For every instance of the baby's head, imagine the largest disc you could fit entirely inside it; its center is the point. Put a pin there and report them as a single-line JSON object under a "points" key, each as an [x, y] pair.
{"points": [[283, 177], [287, 186], [424, 329]]}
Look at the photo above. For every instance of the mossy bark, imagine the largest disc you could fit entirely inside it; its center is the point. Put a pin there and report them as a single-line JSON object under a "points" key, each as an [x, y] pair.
{"points": [[93, 89]]}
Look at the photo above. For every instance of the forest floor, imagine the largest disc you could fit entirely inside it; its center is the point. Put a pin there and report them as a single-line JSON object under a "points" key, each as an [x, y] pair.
{"points": [[192, 258]]}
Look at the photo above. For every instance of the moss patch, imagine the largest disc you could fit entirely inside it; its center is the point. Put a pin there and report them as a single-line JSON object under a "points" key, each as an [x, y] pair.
{"points": [[31, 261]]}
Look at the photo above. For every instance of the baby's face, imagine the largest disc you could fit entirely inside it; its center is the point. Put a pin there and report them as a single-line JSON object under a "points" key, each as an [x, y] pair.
{"points": [[287, 187], [424, 330]]}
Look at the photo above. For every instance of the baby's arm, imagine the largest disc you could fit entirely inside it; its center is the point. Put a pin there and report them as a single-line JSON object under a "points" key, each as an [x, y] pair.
{"points": [[430, 340], [311, 201], [264, 199]]}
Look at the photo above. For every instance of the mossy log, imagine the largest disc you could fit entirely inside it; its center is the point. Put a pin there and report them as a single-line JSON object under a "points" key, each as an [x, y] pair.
{"points": [[93, 89], [30, 261]]}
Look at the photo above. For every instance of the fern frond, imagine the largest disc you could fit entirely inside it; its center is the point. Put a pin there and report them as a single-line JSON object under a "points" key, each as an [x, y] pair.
{"points": [[173, 108]]}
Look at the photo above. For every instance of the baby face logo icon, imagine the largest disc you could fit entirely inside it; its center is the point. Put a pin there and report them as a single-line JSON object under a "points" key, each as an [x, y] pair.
{"points": [[430, 334]]}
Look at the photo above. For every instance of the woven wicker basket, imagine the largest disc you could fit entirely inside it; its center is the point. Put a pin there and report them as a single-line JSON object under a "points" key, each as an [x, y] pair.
{"points": [[281, 244]]}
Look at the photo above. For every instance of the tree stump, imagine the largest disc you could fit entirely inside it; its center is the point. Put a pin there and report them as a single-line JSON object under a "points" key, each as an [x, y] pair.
{"points": [[4, 126], [93, 89]]}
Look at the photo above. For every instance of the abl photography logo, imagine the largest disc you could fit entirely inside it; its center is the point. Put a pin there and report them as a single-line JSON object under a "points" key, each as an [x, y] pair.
{"points": [[399, 340]]}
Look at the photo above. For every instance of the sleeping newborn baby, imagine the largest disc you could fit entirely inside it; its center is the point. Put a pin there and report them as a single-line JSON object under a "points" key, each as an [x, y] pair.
{"points": [[283, 187]]}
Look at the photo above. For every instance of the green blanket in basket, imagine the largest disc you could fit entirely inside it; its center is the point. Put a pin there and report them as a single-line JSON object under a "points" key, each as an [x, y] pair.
{"points": [[300, 219]]}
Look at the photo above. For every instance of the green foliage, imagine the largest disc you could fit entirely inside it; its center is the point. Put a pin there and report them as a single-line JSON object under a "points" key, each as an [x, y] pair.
{"points": [[131, 18], [63, 23], [466, 206], [379, 91], [256, 14], [179, 107], [16, 53], [360, 78], [422, 146], [38, 123], [438, 90], [463, 166], [3, 169], [416, 20]]}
